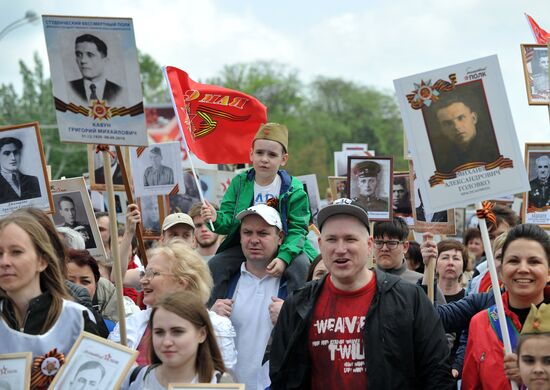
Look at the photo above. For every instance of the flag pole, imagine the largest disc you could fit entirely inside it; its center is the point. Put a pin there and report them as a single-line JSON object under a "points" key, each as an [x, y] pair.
{"points": [[114, 245], [496, 288], [180, 127]]}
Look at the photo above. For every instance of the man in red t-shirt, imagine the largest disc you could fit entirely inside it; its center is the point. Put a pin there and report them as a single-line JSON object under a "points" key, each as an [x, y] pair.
{"points": [[357, 328]]}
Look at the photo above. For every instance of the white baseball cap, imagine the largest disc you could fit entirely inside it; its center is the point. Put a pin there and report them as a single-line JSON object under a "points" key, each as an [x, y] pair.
{"points": [[268, 213], [176, 218]]}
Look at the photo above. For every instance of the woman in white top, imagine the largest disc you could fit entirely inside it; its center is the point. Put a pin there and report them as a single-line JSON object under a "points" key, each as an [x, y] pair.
{"points": [[37, 314], [174, 267], [183, 347]]}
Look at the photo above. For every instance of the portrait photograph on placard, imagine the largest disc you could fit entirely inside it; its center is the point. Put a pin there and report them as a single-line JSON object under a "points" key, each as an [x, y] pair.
{"points": [[182, 201], [338, 186], [440, 222], [97, 362], [341, 160], [96, 80], [74, 210], [401, 197], [15, 371], [97, 173], [153, 212], [156, 169], [370, 182], [535, 69], [536, 202], [23, 174], [312, 190], [461, 133]]}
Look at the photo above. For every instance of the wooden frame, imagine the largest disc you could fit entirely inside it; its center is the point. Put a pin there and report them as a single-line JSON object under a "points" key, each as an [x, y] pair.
{"points": [[206, 386], [536, 77], [338, 186], [379, 204], [15, 370], [84, 222], [536, 201], [30, 169], [114, 359]]}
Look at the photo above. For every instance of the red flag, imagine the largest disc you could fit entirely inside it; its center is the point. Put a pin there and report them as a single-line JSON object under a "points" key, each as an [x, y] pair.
{"points": [[540, 35], [219, 123]]}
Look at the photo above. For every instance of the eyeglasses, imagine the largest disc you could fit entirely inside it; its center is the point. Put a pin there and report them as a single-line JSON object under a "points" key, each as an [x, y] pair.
{"points": [[150, 274], [391, 244]]}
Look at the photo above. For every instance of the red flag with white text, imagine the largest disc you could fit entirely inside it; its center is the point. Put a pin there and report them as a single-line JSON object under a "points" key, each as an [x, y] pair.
{"points": [[540, 35], [219, 124]]}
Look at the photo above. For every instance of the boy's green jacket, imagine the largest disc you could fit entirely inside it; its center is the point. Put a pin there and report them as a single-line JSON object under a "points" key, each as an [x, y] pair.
{"points": [[293, 208]]}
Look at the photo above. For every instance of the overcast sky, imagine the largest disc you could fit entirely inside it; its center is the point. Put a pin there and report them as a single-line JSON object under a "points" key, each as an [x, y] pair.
{"points": [[370, 42]]}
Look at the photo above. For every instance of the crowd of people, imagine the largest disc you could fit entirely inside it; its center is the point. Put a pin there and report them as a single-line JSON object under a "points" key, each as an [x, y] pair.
{"points": [[251, 301]]}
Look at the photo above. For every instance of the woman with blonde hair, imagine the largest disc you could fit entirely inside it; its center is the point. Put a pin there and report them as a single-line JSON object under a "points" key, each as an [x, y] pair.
{"points": [[183, 347], [173, 267], [36, 310]]}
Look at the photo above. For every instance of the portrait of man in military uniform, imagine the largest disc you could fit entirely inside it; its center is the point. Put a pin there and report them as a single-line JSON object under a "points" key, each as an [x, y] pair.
{"points": [[539, 196], [157, 174], [365, 188]]}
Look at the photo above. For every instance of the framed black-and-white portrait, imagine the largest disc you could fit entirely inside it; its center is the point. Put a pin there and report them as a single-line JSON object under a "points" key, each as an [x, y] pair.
{"points": [[536, 202], [535, 70], [341, 160], [23, 174], [97, 173], [370, 182], [312, 190], [15, 371], [401, 197], [182, 201], [338, 186], [73, 210], [94, 363], [156, 169], [153, 212]]}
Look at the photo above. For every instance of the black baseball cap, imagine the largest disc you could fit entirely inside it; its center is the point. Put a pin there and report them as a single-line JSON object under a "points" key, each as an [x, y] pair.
{"points": [[344, 206]]}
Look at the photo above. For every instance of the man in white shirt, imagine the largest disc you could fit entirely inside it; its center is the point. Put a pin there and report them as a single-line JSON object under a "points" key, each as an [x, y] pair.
{"points": [[245, 296]]}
